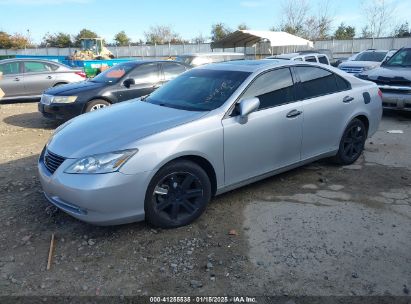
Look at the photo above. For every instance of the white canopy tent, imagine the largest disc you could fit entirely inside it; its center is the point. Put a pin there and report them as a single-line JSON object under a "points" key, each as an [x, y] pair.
{"points": [[244, 38]]}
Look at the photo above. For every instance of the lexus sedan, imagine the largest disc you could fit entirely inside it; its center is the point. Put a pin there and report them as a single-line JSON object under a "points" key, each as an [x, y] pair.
{"points": [[210, 130], [122, 82], [28, 78]]}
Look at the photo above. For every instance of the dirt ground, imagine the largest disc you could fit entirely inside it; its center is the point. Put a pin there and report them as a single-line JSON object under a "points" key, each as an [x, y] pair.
{"points": [[316, 230]]}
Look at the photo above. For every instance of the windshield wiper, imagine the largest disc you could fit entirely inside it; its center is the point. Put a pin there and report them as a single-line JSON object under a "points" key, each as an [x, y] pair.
{"points": [[144, 97]]}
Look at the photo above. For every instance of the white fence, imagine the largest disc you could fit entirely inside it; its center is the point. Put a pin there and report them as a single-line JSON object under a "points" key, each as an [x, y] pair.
{"points": [[338, 47]]}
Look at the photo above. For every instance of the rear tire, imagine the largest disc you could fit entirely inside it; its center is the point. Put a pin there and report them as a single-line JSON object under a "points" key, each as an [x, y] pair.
{"points": [[352, 143], [177, 195], [96, 104]]}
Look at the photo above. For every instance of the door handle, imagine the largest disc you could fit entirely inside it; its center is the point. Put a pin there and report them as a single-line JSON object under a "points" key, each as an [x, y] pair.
{"points": [[348, 99], [294, 113], [16, 79], [49, 77]]}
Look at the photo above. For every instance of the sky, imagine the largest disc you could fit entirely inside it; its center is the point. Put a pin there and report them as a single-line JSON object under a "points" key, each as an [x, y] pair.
{"points": [[189, 18]]}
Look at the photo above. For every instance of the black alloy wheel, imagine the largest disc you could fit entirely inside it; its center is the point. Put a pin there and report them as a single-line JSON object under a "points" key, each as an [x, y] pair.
{"points": [[352, 143], [177, 195]]}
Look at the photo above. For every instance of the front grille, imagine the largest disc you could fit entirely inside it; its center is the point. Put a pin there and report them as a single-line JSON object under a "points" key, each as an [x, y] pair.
{"points": [[352, 70], [52, 161], [393, 81]]}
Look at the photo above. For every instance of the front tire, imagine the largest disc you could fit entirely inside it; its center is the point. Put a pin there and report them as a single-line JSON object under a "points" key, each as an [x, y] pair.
{"points": [[177, 195], [352, 143], [96, 104]]}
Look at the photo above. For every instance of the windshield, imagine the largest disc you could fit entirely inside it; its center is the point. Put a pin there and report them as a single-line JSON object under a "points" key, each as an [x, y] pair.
{"points": [[114, 74], [198, 90], [371, 56], [401, 58]]}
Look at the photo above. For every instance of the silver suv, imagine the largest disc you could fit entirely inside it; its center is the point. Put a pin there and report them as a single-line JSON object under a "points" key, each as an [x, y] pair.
{"points": [[365, 60]]}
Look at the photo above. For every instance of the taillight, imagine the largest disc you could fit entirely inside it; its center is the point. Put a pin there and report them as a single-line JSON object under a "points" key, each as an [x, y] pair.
{"points": [[380, 93], [82, 74]]}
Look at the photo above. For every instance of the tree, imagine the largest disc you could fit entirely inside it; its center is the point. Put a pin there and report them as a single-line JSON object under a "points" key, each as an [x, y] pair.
{"points": [[5, 41], [84, 33], [243, 26], [299, 21], [60, 40], [366, 32], [378, 15], [219, 31], [344, 32], [199, 39], [295, 13], [122, 39], [162, 34], [402, 30]]}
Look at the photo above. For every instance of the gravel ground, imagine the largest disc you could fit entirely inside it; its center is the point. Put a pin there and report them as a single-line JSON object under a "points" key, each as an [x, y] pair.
{"points": [[316, 230]]}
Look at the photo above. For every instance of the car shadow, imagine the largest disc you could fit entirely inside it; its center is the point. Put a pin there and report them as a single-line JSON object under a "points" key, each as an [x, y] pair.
{"points": [[32, 120], [401, 115]]}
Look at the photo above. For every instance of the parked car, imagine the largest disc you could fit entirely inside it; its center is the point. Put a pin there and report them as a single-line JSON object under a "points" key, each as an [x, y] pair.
{"points": [[364, 61], [197, 59], [210, 130], [28, 78], [121, 82], [303, 56], [393, 78]]}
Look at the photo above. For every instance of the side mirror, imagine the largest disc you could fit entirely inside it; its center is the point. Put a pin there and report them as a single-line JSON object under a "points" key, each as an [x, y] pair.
{"points": [[248, 106], [129, 82]]}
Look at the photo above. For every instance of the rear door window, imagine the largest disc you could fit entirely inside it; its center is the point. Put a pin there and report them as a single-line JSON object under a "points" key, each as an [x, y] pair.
{"points": [[146, 73], [172, 70], [37, 67], [323, 59], [315, 81], [9, 68], [273, 88], [310, 59]]}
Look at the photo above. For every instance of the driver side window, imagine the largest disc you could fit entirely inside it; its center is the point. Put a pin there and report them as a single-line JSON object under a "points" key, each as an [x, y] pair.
{"points": [[273, 88]]}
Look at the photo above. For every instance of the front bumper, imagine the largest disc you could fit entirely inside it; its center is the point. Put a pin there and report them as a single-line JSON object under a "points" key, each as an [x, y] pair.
{"points": [[60, 111], [396, 99], [100, 199]]}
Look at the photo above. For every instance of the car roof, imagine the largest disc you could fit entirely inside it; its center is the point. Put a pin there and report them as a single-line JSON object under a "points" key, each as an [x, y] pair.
{"points": [[211, 54], [246, 65], [29, 59], [139, 62]]}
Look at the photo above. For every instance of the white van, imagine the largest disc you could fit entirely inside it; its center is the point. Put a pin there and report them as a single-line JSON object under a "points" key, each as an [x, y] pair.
{"points": [[309, 57]]}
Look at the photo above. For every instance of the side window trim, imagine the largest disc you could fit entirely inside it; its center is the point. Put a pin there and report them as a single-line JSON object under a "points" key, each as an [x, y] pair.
{"points": [[230, 111]]}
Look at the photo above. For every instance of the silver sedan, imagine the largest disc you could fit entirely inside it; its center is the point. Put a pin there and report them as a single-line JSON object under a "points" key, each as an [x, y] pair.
{"points": [[28, 78], [212, 129]]}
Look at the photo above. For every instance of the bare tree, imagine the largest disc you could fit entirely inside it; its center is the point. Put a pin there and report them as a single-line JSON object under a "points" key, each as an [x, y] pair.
{"points": [[295, 13], [300, 21], [162, 34], [379, 15]]}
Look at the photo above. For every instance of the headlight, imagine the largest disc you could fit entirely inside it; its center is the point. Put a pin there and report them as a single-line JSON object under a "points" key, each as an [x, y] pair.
{"points": [[63, 99], [367, 68], [101, 163]]}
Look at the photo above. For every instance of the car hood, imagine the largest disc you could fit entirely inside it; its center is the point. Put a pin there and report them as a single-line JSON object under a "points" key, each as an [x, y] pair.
{"points": [[75, 88], [353, 63], [387, 72], [115, 128]]}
